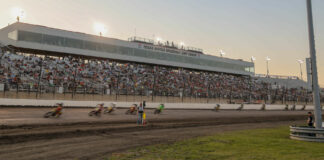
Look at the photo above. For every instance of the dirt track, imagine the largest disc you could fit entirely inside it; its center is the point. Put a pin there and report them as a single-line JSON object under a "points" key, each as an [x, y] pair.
{"points": [[26, 135]]}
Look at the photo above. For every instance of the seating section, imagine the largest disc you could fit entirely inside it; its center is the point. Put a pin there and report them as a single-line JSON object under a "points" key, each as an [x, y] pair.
{"points": [[102, 75]]}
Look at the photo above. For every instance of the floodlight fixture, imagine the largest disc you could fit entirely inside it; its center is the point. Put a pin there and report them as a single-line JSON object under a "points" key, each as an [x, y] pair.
{"points": [[100, 28], [18, 13], [253, 59], [222, 53]]}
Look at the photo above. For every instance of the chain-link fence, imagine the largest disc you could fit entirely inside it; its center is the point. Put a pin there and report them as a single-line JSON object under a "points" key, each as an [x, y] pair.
{"points": [[132, 94]]}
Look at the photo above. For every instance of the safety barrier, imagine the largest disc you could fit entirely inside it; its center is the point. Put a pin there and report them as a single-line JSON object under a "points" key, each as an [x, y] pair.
{"points": [[307, 134]]}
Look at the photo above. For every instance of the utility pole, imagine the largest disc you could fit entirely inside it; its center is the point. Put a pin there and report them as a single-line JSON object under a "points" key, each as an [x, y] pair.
{"points": [[316, 95]]}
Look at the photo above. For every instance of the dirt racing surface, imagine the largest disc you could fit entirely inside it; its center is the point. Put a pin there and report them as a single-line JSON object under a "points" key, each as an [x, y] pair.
{"points": [[25, 134]]}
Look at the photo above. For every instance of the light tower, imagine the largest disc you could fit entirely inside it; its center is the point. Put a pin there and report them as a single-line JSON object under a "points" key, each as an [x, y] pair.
{"points": [[252, 60], [18, 13], [222, 53], [267, 60], [300, 67], [100, 29]]}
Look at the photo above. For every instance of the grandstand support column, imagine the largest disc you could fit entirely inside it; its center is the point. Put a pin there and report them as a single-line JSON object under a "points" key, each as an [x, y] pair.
{"points": [[39, 77], [153, 88], [316, 95], [117, 91], [250, 95], [208, 89], [184, 86], [74, 81], [231, 95]]}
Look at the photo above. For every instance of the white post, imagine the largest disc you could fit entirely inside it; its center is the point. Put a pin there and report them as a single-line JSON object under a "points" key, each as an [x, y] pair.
{"points": [[301, 71], [316, 95], [267, 68]]}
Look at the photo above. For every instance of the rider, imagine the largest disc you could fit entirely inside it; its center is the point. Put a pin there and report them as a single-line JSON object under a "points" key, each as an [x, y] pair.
{"points": [[133, 108], [58, 110], [99, 107], [111, 107], [161, 107]]}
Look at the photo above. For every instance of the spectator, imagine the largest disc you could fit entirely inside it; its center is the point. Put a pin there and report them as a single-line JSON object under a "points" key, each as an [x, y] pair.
{"points": [[93, 76], [310, 122], [140, 111]]}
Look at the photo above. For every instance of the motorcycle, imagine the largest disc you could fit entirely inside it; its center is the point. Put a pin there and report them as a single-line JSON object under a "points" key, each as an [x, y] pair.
{"points": [[52, 114], [132, 110], [109, 111], [157, 111], [94, 113]]}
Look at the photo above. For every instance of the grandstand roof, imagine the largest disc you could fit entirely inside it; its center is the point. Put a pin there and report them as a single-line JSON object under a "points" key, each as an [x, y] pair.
{"points": [[29, 37]]}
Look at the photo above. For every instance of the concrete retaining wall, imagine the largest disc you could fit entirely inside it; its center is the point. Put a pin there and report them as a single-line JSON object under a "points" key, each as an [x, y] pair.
{"points": [[50, 103]]}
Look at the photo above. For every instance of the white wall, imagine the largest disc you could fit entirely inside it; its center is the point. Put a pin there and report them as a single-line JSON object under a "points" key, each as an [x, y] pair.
{"points": [[50, 103]]}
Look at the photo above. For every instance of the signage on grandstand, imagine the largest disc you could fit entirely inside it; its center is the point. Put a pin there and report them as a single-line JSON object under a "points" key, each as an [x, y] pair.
{"points": [[168, 50]]}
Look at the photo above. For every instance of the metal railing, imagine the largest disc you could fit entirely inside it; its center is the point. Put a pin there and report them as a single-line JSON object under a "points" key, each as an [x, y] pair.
{"points": [[309, 134], [209, 96], [139, 39], [276, 76]]}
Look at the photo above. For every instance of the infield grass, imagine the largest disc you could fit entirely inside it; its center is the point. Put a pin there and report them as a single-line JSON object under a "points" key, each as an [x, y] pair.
{"points": [[257, 144]]}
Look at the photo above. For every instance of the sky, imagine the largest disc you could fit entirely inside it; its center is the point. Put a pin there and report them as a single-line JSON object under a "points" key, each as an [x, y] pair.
{"points": [[241, 28]]}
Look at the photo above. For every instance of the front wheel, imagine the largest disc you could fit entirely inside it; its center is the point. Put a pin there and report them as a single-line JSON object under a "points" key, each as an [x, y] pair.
{"points": [[157, 111], [48, 114], [92, 113]]}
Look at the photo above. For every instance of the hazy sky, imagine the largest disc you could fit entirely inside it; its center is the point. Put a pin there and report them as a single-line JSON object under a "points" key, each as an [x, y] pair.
{"points": [[242, 28]]}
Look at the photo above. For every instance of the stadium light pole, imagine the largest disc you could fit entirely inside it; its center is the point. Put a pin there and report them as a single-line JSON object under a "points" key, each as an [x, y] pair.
{"points": [[252, 60], [18, 13], [250, 97], [268, 59], [301, 71], [315, 87], [100, 28], [159, 40], [182, 44], [222, 53]]}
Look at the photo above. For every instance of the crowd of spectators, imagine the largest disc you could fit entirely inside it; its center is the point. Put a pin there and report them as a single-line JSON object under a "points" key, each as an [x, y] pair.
{"points": [[103, 76]]}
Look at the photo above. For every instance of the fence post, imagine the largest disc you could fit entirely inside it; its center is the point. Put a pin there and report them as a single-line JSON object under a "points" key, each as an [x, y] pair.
{"points": [[126, 92], [134, 94], [54, 90], [117, 88]]}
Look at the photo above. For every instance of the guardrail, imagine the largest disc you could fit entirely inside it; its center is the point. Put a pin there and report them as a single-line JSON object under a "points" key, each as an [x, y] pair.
{"points": [[309, 134]]}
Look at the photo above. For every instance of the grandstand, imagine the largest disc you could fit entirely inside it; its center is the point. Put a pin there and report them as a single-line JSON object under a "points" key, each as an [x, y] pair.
{"points": [[285, 81], [50, 63], [39, 39]]}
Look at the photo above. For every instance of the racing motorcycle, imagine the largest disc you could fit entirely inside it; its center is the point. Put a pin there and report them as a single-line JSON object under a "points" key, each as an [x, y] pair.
{"points": [[52, 114]]}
